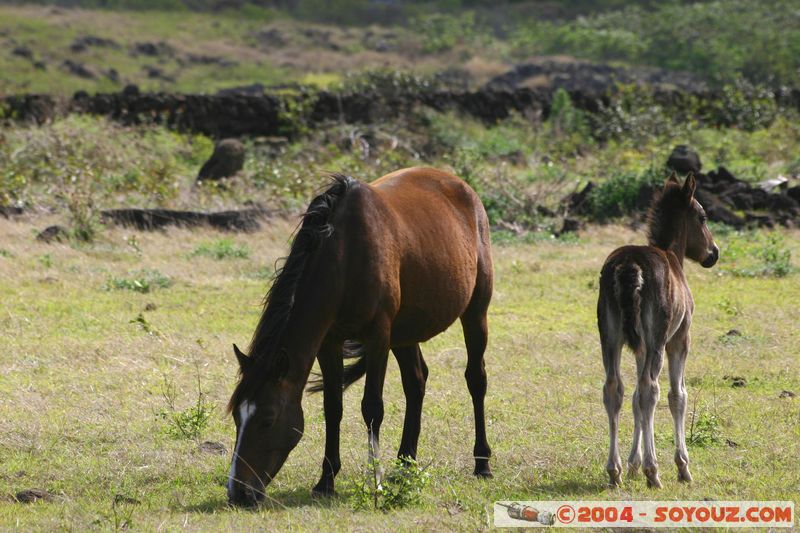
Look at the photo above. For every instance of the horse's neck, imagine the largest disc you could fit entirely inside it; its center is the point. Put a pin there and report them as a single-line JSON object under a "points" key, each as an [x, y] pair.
{"points": [[678, 244], [311, 318]]}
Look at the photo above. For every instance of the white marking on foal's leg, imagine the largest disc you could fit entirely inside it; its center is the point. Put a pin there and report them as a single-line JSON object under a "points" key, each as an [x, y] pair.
{"points": [[246, 411]]}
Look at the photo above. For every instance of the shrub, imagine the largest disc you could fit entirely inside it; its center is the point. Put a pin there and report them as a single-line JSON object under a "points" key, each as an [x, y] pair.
{"points": [[186, 423], [756, 254], [401, 487], [619, 195]]}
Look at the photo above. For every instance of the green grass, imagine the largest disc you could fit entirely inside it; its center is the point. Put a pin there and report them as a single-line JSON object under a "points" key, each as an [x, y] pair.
{"points": [[82, 384]]}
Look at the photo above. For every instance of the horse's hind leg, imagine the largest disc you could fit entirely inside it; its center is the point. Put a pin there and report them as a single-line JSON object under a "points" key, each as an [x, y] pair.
{"points": [[414, 374], [677, 350], [635, 457], [377, 354], [476, 333], [613, 390], [649, 391], [330, 362]]}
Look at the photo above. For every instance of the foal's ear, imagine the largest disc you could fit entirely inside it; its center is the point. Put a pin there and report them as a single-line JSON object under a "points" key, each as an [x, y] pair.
{"points": [[673, 178], [689, 186], [244, 361]]}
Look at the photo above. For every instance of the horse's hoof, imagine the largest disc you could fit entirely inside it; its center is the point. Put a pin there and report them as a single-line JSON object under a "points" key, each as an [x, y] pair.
{"points": [[323, 490], [633, 471], [684, 476], [483, 473]]}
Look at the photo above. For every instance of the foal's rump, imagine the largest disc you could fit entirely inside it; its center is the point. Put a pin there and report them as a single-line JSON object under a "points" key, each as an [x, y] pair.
{"points": [[632, 284]]}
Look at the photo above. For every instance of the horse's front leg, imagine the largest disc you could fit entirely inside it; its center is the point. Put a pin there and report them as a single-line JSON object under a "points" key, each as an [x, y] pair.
{"points": [[330, 363]]}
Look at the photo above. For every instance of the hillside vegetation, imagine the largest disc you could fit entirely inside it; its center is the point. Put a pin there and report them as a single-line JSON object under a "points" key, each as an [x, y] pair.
{"points": [[203, 46]]}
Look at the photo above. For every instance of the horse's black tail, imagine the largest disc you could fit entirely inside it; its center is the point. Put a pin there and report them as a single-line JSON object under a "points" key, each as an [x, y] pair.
{"points": [[352, 372], [628, 283]]}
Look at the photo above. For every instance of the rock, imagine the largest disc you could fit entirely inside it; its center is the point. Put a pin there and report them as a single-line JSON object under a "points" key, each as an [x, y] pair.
{"points": [[81, 44], [7, 211], [570, 225], [227, 160], [22, 51], [733, 333], [214, 448], [786, 394], [577, 203], [131, 90], [254, 89], [684, 160], [33, 495], [79, 69], [152, 49], [150, 307], [153, 219], [121, 498], [156, 73], [794, 193], [736, 381], [53, 233]]}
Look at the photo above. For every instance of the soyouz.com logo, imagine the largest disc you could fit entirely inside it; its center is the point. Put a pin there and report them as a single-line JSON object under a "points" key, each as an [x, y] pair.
{"points": [[643, 514]]}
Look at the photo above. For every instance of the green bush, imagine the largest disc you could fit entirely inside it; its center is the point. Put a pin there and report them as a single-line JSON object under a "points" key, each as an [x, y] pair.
{"points": [[617, 196], [756, 254], [401, 487]]}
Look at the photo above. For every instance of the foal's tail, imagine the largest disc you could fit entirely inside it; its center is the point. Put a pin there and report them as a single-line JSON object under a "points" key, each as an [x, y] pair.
{"points": [[628, 283], [352, 372]]}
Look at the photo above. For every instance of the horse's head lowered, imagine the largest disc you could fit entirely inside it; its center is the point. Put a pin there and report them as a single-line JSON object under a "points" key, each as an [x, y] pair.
{"points": [[269, 424], [677, 214]]}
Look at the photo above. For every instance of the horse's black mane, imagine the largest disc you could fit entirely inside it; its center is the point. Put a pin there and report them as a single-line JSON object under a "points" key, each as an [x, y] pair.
{"points": [[267, 359], [664, 216]]}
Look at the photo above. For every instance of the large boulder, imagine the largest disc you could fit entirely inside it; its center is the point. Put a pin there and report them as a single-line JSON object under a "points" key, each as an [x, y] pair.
{"points": [[227, 160], [684, 160]]}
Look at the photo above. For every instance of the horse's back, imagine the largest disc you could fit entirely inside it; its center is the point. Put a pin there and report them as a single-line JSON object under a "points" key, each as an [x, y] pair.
{"points": [[429, 245]]}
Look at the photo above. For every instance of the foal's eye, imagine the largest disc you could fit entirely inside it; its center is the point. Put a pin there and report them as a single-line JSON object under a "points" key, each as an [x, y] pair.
{"points": [[703, 219]]}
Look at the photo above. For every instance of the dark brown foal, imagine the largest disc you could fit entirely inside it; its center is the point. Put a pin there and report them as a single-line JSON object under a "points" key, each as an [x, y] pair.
{"points": [[646, 303]]}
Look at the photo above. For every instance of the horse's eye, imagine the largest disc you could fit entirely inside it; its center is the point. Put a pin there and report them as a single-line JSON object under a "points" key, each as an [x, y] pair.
{"points": [[268, 421], [703, 219]]}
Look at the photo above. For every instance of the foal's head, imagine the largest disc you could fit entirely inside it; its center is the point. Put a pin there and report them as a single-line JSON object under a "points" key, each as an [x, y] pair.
{"points": [[269, 422], [678, 221]]}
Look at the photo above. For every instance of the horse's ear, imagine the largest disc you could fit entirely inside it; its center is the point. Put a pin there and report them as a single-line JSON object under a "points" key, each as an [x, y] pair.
{"points": [[244, 361], [689, 186]]}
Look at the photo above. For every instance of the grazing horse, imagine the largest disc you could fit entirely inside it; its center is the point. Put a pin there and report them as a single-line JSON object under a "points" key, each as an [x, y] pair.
{"points": [[380, 266], [645, 303]]}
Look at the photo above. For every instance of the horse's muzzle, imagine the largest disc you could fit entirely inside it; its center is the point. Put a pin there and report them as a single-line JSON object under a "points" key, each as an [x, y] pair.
{"points": [[712, 258], [242, 495]]}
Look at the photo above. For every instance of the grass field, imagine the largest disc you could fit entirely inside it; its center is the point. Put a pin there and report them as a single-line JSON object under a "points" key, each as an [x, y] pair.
{"points": [[87, 357]]}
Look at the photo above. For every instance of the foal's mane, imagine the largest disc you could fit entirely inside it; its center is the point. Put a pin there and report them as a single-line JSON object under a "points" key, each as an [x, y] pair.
{"points": [[664, 215], [267, 358]]}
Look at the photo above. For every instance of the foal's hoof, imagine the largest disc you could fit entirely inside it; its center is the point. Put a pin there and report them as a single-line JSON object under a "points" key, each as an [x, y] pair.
{"points": [[614, 477], [652, 478], [683, 475]]}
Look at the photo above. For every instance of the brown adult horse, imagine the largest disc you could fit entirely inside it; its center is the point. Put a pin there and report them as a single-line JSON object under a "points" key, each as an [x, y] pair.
{"points": [[645, 302], [387, 265]]}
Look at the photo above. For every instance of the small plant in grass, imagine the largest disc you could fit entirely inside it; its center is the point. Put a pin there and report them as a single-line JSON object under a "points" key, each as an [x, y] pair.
{"points": [[5, 253], [703, 429], [401, 487], [186, 423], [222, 249], [143, 281]]}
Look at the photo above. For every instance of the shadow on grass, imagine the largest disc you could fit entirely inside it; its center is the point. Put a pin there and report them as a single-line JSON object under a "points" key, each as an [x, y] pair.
{"points": [[274, 501], [569, 487]]}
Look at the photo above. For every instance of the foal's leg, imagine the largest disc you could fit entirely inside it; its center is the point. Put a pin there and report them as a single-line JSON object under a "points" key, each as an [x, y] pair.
{"points": [[611, 341], [677, 350], [414, 373], [635, 457], [330, 362], [476, 333], [377, 354], [648, 398]]}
